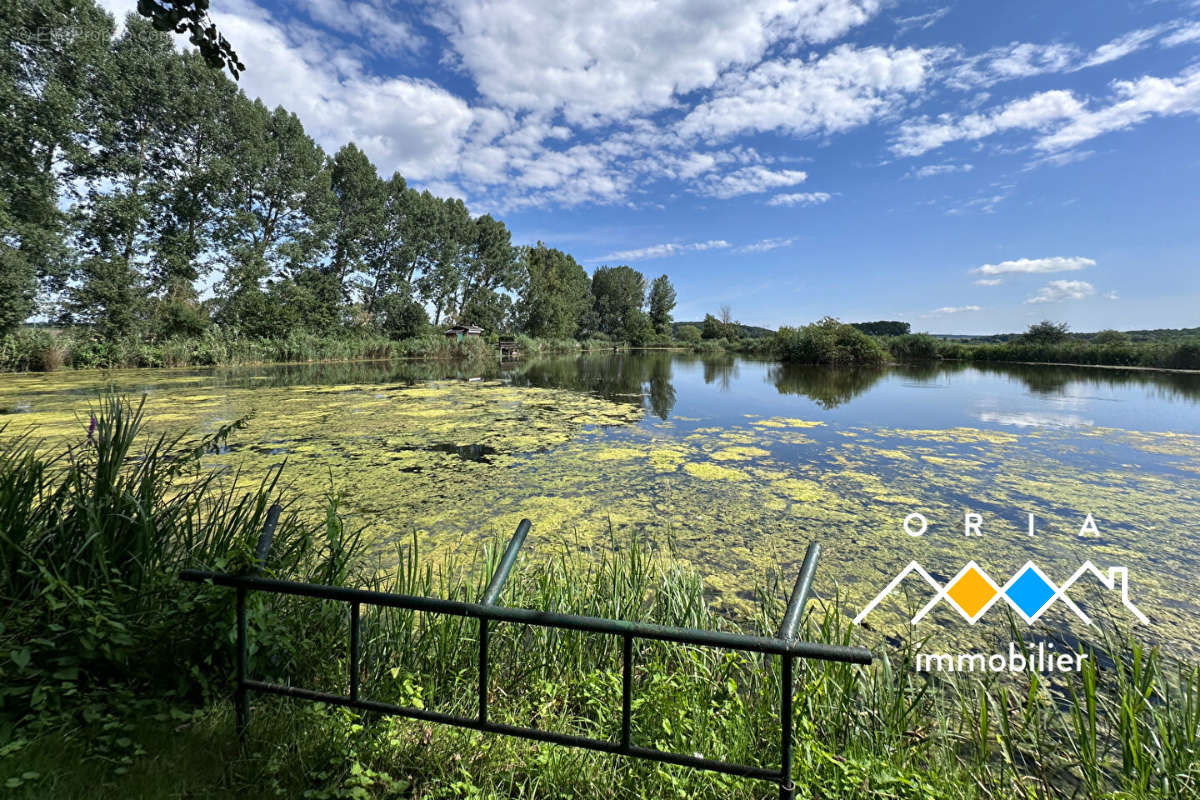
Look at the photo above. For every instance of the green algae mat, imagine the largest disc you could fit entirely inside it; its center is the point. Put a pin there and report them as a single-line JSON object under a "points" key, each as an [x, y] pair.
{"points": [[730, 465]]}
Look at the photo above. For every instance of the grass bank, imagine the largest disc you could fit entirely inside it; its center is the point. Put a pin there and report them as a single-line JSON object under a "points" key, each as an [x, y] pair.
{"points": [[43, 350], [115, 676]]}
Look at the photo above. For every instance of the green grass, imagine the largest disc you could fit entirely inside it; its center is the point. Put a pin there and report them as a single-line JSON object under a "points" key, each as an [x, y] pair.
{"points": [[40, 350], [116, 675]]}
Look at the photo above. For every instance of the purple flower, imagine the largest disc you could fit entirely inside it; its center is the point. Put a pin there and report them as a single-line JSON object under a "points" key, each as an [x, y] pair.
{"points": [[92, 429]]}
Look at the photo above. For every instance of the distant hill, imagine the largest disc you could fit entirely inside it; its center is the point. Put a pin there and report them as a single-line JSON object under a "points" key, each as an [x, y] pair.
{"points": [[752, 331], [1154, 335]]}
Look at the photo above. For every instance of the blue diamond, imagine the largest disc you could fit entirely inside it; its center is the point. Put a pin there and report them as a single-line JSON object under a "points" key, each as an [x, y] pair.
{"points": [[1030, 591]]}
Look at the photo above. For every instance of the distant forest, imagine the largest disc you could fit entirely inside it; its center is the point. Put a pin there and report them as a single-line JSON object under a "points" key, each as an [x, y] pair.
{"points": [[144, 196]]}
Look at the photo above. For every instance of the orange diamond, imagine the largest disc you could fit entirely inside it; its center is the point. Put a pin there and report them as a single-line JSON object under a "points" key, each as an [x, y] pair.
{"points": [[971, 592]]}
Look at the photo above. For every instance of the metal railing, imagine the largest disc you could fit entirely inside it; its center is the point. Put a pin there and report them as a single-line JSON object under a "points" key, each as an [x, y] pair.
{"points": [[486, 611]]}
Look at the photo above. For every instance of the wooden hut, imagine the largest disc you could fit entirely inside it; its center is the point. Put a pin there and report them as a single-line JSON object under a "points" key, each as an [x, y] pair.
{"points": [[460, 332]]}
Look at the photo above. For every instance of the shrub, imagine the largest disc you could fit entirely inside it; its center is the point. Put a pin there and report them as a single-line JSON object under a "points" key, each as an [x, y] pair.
{"points": [[688, 334], [827, 342], [913, 347]]}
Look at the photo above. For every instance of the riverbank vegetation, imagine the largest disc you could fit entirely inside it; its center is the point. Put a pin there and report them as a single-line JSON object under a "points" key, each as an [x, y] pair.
{"points": [[116, 676]]}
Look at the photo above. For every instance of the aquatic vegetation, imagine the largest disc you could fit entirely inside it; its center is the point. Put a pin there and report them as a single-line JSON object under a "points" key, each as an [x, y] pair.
{"points": [[459, 463]]}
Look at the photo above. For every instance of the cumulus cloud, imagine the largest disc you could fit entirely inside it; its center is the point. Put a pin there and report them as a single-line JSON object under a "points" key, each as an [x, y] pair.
{"points": [[844, 89], [371, 20], [662, 251], [605, 61], [1035, 266], [751, 180], [1058, 291], [989, 281], [800, 199]]}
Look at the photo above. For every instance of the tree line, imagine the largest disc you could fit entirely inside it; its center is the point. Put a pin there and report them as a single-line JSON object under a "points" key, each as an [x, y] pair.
{"points": [[142, 194]]}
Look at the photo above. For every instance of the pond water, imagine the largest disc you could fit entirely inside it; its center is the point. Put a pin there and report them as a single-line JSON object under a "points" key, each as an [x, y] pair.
{"points": [[734, 465]]}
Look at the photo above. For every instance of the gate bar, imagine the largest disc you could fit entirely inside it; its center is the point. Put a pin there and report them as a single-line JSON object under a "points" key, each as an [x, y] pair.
{"points": [[545, 619]]}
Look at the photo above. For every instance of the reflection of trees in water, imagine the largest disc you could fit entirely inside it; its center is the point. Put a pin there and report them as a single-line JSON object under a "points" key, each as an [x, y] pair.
{"points": [[351, 372], [1045, 379], [639, 377], [721, 369], [828, 387], [627, 378]]}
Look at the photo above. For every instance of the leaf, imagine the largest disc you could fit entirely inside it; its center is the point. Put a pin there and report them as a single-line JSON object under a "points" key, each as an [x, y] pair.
{"points": [[21, 657]]}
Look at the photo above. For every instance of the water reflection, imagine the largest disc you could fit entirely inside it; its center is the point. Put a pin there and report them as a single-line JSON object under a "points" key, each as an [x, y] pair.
{"points": [[637, 379], [1017, 395], [827, 387]]}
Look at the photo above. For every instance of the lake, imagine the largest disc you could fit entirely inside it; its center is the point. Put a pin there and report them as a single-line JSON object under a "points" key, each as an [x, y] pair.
{"points": [[728, 464]]}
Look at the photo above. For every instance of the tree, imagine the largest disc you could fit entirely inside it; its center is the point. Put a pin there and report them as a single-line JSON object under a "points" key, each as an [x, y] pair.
{"points": [[360, 198], [883, 328], [403, 317], [450, 239], [133, 156], [662, 301], [276, 217], [490, 266], [1108, 336], [729, 328], [713, 328], [617, 293], [688, 333], [181, 241], [51, 54], [553, 292], [1046, 332]]}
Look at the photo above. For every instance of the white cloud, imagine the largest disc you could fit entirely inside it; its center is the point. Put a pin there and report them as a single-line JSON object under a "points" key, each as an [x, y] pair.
{"points": [[662, 251], [1137, 100], [921, 21], [800, 199], [1058, 291], [751, 180], [1060, 159], [1063, 120], [845, 88], [1183, 35], [765, 245], [989, 281], [606, 61], [401, 123], [1034, 112], [1122, 46], [930, 170], [937, 312], [372, 21], [1009, 62], [1035, 266], [1112, 295]]}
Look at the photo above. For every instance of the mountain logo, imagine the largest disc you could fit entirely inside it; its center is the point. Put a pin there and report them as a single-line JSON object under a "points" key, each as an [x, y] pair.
{"points": [[1029, 592]]}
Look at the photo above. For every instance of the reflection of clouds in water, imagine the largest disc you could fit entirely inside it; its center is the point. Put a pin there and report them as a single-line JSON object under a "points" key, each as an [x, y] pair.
{"points": [[1033, 419]]}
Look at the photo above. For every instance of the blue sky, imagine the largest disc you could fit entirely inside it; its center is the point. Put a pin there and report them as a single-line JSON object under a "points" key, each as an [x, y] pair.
{"points": [[967, 167]]}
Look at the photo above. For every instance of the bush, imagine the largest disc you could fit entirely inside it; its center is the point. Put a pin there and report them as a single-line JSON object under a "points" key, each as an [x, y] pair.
{"points": [[688, 334], [913, 347], [827, 342]]}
